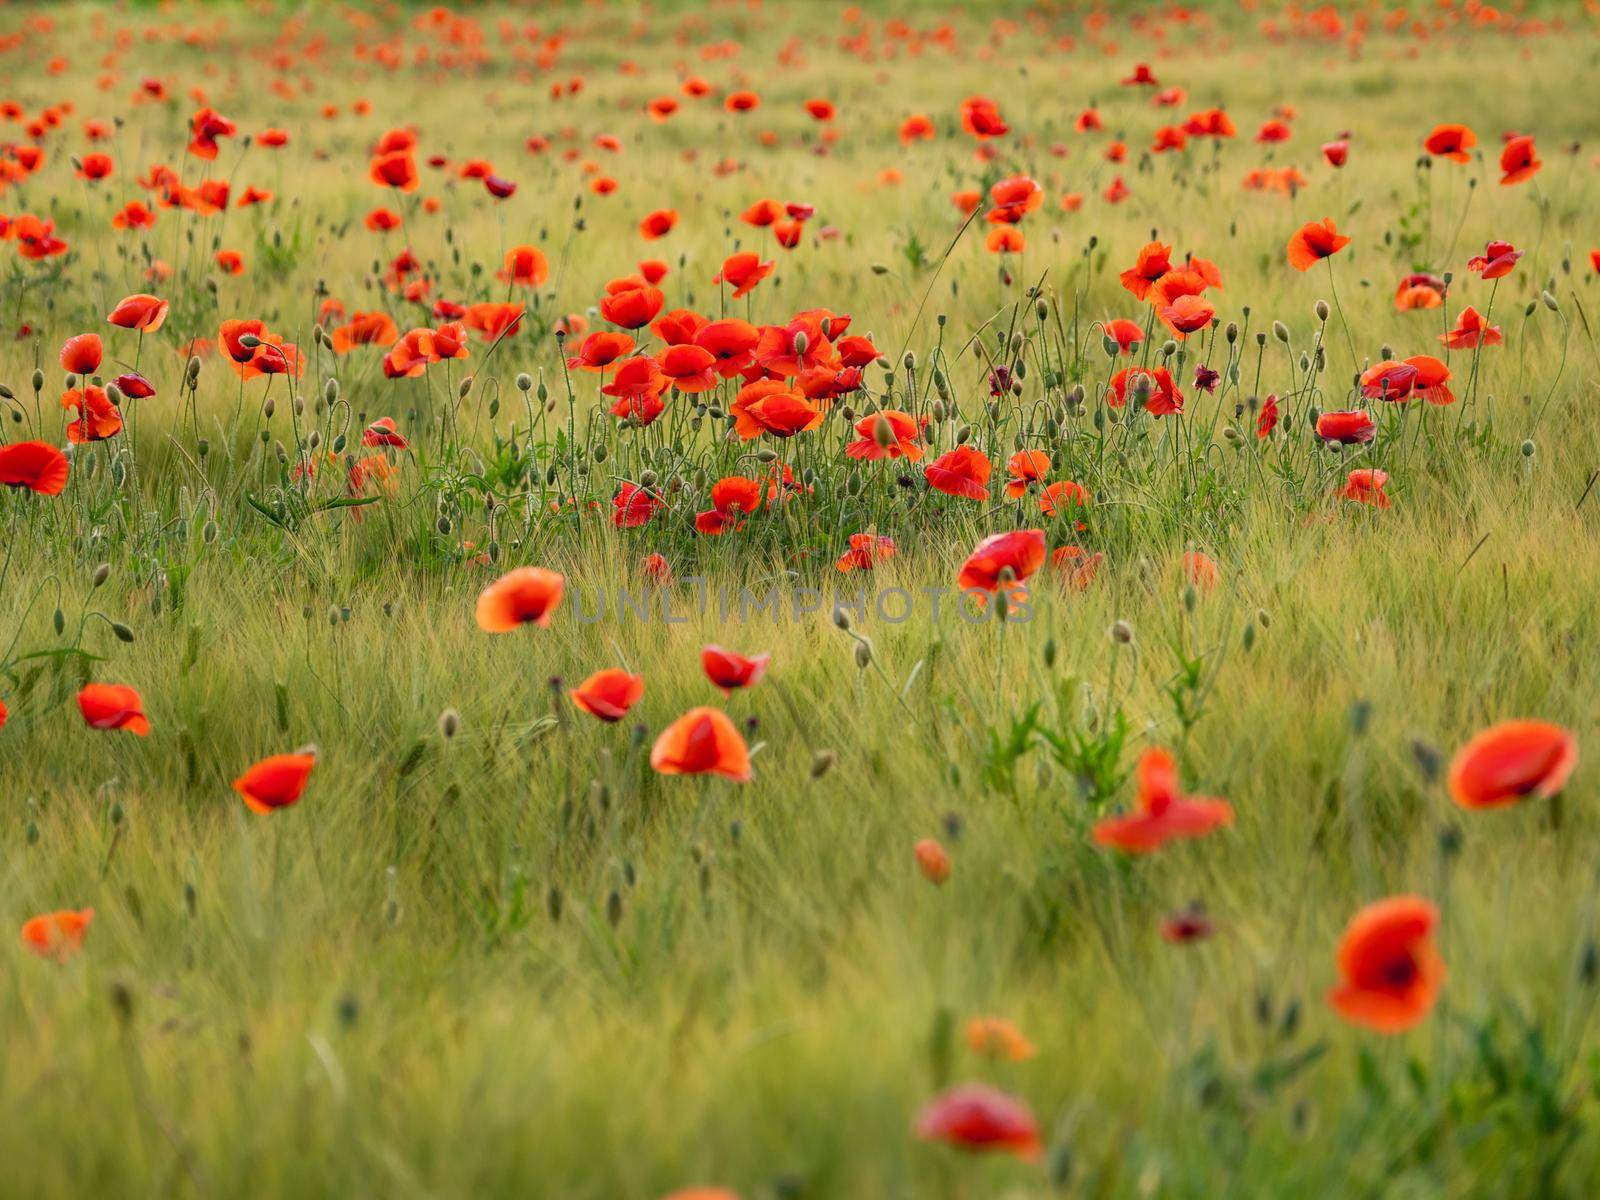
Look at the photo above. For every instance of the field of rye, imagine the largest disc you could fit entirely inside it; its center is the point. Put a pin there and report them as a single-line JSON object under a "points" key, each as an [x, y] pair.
{"points": [[777, 601]]}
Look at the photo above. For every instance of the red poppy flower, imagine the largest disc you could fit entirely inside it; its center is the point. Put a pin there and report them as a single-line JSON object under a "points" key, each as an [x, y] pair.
{"points": [[525, 266], [97, 419], [1471, 332], [1389, 971], [1518, 161], [1497, 260], [767, 406], [656, 569], [608, 694], [916, 127], [493, 320], [57, 935], [1164, 397], [1268, 420], [36, 466], [741, 101], [1014, 198], [1450, 141], [1365, 485], [113, 706], [95, 167], [658, 223], [1347, 428], [980, 117], [730, 671], [978, 1118], [932, 861], [887, 434], [1154, 261], [1511, 762], [205, 127], [866, 551], [633, 506], [743, 271], [81, 354], [382, 433], [396, 169], [1002, 559], [731, 343], [1065, 495], [960, 472], [600, 350], [632, 307], [1313, 242], [1336, 152], [135, 214], [275, 782], [1025, 467], [1127, 334], [689, 368], [1397, 382], [365, 329], [702, 742], [1186, 314], [1161, 811], [526, 595]]}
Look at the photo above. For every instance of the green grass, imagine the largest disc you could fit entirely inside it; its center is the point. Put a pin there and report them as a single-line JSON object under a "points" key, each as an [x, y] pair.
{"points": [[516, 961]]}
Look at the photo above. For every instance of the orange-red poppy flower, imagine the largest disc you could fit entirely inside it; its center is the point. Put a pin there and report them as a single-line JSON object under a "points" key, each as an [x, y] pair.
{"points": [[980, 117], [963, 471], [1518, 161], [743, 271], [979, 1118], [1187, 313], [276, 782], [365, 329], [731, 342], [1162, 396], [916, 127], [1025, 467], [1450, 141], [730, 497], [702, 742], [689, 368], [767, 406], [525, 266], [81, 354], [1365, 485], [57, 935], [519, 597], [1313, 242], [866, 551], [730, 671], [1002, 560], [36, 466], [97, 419], [1497, 260], [608, 694], [600, 350], [1471, 331], [887, 434], [1390, 972], [113, 706], [1347, 428], [142, 312], [996, 1037], [1154, 261], [1161, 811], [1397, 382], [632, 307], [932, 860], [1511, 762], [634, 506], [397, 169], [382, 432], [658, 224]]}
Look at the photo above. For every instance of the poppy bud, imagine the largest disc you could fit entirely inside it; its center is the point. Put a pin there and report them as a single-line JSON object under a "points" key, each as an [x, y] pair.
{"points": [[124, 634], [38, 380], [1040, 308], [101, 574], [801, 342], [1281, 332], [863, 654], [879, 269], [963, 434], [1121, 632], [1322, 310], [1550, 302], [821, 763], [1109, 345], [71, 381], [449, 723], [1427, 758], [1589, 965], [466, 386], [1050, 652], [841, 619], [1527, 448], [268, 407], [614, 908], [910, 360], [249, 341], [1248, 638]]}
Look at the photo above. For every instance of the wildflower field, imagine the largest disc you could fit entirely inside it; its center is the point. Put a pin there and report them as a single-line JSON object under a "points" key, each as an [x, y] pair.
{"points": [[775, 600]]}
